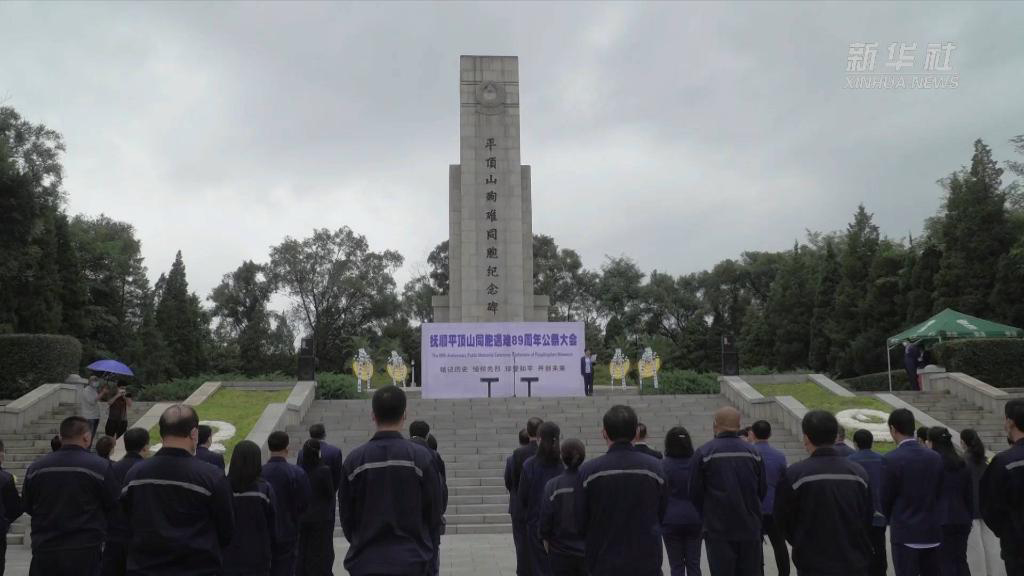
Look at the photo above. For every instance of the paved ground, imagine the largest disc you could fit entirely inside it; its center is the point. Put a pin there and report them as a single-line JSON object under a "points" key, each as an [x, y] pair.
{"points": [[461, 555]]}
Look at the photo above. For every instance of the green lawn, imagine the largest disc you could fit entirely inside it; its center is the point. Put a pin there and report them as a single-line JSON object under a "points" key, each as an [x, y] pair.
{"points": [[817, 398], [242, 408]]}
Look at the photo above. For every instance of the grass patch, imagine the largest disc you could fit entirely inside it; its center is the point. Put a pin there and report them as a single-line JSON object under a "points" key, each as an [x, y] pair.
{"points": [[241, 408], [817, 398]]}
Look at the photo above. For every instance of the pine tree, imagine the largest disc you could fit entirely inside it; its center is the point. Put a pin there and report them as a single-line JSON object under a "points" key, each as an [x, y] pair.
{"points": [[791, 306], [824, 307], [182, 322], [860, 245], [74, 296]]}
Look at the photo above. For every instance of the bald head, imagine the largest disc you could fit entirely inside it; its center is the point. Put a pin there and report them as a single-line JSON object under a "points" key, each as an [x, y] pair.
{"points": [[178, 421], [727, 419]]}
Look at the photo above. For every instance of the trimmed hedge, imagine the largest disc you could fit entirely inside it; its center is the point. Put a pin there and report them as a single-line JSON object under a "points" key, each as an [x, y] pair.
{"points": [[997, 361], [29, 360], [337, 386], [683, 382], [877, 382]]}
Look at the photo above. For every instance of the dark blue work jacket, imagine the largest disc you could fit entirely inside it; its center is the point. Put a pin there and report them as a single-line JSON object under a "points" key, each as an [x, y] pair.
{"points": [[557, 517], [291, 488], [681, 511], [254, 541], [210, 457], [1002, 499], [727, 484], [911, 483], [119, 531], [872, 463], [531, 487]]}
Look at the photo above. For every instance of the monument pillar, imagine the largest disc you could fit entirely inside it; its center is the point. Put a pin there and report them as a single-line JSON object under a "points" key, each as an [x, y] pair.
{"points": [[490, 248]]}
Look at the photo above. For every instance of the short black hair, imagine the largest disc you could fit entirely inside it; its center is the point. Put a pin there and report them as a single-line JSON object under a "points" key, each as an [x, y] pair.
{"points": [[863, 439], [278, 441], [678, 443], [74, 427], [744, 432], [902, 420], [388, 405], [204, 434], [104, 446], [1014, 410], [524, 438], [820, 427], [762, 429], [419, 429], [620, 423], [55, 443], [317, 431], [178, 421], [532, 425], [641, 431], [922, 433], [136, 439]]}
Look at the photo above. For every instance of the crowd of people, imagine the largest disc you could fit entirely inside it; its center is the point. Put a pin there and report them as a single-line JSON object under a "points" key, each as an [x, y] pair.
{"points": [[616, 513], [177, 512]]}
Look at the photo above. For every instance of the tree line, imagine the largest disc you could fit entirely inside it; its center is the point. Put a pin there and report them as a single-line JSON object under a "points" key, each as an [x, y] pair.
{"points": [[827, 304]]}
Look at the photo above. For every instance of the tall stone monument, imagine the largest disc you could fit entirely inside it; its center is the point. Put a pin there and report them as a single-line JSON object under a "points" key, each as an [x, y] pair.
{"points": [[490, 248]]}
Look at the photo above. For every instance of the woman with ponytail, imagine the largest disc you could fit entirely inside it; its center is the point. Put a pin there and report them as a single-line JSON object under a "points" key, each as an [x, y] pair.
{"points": [[682, 524], [537, 470], [956, 502], [557, 528]]}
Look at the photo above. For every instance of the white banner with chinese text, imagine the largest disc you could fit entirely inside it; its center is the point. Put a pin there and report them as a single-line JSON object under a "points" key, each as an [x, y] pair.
{"points": [[501, 359]]}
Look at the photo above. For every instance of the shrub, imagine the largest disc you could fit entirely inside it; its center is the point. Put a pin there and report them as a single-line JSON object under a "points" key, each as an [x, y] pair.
{"points": [[877, 382], [683, 382], [995, 361], [29, 360], [337, 386], [171, 391]]}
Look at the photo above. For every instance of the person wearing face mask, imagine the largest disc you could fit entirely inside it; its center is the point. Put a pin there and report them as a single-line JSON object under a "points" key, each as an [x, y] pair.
{"points": [[89, 398], [179, 508]]}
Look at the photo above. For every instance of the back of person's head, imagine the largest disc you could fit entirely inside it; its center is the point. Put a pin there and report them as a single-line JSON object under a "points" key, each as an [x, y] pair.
{"points": [[432, 442], [678, 443], [419, 429], [205, 433], [55, 443], [246, 465], [922, 433], [524, 438], [317, 431], [311, 454], [641, 432], [820, 427], [388, 405], [532, 425], [727, 419], [942, 442], [278, 441], [762, 429], [1014, 411], [547, 448], [573, 453], [620, 423], [104, 446], [841, 435], [74, 428], [863, 439], [974, 448], [178, 421], [902, 421], [136, 439]]}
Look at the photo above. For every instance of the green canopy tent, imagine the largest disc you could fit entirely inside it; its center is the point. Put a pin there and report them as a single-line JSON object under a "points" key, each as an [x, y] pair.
{"points": [[949, 325]]}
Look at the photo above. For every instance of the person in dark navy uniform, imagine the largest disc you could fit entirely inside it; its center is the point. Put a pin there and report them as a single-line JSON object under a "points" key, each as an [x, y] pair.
{"points": [[419, 432], [557, 523], [911, 485], [620, 501], [727, 484], [315, 555], [390, 497], [681, 526], [10, 507], [330, 455], [524, 566], [70, 495], [1002, 491], [203, 451], [956, 503], [537, 471], [115, 553], [640, 442], [872, 463], [774, 467], [824, 507], [179, 508], [252, 546], [291, 487]]}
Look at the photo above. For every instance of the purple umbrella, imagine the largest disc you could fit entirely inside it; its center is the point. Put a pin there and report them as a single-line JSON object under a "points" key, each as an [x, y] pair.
{"points": [[111, 367]]}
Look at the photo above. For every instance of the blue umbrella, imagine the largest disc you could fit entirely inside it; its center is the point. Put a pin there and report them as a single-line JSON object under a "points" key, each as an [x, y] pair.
{"points": [[111, 367]]}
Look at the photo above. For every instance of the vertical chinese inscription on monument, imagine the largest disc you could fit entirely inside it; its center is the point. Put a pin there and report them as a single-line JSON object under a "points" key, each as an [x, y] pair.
{"points": [[491, 216]]}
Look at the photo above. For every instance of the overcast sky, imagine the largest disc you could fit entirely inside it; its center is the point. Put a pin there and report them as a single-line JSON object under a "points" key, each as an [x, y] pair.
{"points": [[677, 134]]}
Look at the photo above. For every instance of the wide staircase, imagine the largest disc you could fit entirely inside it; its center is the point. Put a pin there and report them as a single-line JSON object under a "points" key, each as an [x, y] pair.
{"points": [[959, 414], [28, 444], [476, 435]]}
